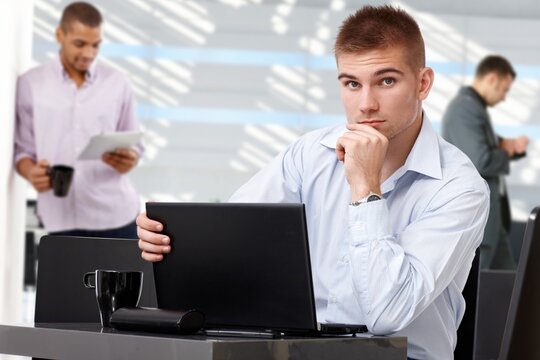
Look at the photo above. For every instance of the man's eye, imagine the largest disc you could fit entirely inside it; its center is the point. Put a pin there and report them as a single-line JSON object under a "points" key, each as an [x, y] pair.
{"points": [[352, 84], [388, 81]]}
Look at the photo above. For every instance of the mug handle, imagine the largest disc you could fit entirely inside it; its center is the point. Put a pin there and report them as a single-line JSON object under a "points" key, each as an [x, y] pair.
{"points": [[86, 280]]}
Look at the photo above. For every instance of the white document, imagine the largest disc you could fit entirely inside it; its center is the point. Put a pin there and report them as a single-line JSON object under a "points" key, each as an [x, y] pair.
{"points": [[102, 143]]}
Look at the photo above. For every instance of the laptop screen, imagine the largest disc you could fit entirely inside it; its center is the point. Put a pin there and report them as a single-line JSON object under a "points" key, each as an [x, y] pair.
{"points": [[242, 265]]}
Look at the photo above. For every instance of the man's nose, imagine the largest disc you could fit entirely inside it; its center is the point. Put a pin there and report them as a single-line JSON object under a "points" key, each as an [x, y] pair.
{"points": [[367, 100], [89, 52]]}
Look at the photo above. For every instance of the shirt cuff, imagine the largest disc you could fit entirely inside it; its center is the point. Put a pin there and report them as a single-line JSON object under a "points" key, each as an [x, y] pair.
{"points": [[21, 156], [369, 222]]}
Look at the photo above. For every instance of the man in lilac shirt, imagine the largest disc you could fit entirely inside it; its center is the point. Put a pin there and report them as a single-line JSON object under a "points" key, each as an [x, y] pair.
{"points": [[60, 106]]}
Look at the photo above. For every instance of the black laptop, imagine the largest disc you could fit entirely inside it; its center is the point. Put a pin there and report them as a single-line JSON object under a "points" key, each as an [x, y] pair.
{"points": [[245, 266]]}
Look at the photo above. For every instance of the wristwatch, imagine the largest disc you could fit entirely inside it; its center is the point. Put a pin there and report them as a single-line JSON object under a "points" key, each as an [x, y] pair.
{"points": [[369, 198]]}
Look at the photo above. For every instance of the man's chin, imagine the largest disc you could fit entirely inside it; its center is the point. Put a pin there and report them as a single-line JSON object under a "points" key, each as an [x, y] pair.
{"points": [[83, 67]]}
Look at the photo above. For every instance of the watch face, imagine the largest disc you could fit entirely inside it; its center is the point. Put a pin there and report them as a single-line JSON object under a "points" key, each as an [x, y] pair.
{"points": [[373, 197]]}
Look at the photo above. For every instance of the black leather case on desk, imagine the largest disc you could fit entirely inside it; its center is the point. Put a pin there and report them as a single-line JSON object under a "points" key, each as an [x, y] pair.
{"points": [[158, 320]]}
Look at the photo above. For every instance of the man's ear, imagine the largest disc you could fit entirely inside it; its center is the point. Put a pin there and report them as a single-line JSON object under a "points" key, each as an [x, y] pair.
{"points": [[59, 34], [491, 78], [426, 77]]}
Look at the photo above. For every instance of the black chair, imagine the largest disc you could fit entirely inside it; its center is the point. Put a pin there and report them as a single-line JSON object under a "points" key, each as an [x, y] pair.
{"points": [[493, 303], [521, 332], [30, 258], [466, 333], [63, 260]]}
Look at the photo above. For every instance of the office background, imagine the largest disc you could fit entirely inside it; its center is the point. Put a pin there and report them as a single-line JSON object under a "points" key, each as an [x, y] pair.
{"points": [[223, 85]]}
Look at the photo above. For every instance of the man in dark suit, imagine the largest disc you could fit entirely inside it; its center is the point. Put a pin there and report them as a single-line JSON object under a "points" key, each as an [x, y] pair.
{"points": [[467, 125]]}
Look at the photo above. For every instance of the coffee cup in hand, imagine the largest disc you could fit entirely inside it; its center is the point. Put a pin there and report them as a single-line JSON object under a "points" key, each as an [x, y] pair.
{"points": [[61, 176], [114, 290]]}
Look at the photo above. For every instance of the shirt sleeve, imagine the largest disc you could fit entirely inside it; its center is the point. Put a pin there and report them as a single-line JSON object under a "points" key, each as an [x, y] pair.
{"points": [[396, 277], [128, 120], [280, 181], [24, 130]]}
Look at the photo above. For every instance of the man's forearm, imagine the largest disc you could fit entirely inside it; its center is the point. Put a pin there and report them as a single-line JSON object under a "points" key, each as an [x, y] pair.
{"points": [[24, 165]]}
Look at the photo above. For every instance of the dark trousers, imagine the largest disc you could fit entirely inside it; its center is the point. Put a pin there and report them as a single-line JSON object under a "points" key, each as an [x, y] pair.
{"points": [[125, 232]]}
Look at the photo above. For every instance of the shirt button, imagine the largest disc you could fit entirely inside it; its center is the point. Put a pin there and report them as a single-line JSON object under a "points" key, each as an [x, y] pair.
{"points": [[345, 259], [333, 299]]}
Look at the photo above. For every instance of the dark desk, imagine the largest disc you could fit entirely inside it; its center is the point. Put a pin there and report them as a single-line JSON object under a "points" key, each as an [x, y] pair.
{"points": [[87, 341]]}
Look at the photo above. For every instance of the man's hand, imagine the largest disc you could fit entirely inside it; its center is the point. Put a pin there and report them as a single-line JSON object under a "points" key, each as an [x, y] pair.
{"points": [[514, 146], [362, 150], [520, 144], [152, 244], [123, 160], [36, 173]]}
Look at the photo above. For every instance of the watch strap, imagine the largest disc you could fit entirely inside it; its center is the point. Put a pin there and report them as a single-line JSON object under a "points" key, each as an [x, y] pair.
{"points": [[368, 198]]}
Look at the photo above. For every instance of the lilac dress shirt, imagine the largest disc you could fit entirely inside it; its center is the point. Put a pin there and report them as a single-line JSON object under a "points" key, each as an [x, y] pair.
{"points": [[55, 120]]}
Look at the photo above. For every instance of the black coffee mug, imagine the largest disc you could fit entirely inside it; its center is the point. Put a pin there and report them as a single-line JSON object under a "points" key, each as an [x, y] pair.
{"points": [[114, 290], [61, 176]]}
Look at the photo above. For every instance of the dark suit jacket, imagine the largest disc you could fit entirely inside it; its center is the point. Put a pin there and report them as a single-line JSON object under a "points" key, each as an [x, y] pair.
{"points": [[467, 125]]}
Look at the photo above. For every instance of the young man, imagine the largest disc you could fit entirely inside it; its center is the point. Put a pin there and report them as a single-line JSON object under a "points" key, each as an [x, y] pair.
{"points": [[467, 125], [394, 212], [60, 106]]}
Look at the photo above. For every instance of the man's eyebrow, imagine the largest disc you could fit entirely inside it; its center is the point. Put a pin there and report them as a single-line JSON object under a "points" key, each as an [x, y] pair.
{"points": [[376, 73], [345, 75], [388, 70], [87, 42]]}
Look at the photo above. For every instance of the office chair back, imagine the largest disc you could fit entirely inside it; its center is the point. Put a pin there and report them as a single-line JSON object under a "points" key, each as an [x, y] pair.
{"points": [[522, 332], [466, 333], [62, 262]]}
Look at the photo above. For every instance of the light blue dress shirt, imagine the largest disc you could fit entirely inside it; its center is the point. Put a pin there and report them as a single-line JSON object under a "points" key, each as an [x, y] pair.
{"points": [[398, 265]]}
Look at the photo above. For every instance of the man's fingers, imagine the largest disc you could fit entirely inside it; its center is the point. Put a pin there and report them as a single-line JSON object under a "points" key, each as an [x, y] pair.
{"points": [[152, 237], [120, 159], [121, 164], [151, 257], [43, 163], [41, 181], [366, 131], [125, 154], [145, 222], [42, 188], [149, 247], [39, 171]]}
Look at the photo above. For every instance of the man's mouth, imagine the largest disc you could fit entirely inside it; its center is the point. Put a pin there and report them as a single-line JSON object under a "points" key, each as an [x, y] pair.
{"points": [[371, 122], [84, 62]]}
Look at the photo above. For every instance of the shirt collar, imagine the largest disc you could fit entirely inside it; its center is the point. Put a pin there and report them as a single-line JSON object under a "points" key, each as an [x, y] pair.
{"points": [[90, 75], [472, 91], [330, 139], [424, 157]]}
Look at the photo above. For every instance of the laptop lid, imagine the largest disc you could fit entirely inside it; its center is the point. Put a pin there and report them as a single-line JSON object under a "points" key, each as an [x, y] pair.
{"points": [[63, 260], [242, 265]]}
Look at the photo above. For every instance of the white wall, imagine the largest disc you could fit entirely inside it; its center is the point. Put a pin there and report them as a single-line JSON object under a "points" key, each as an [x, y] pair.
{"points": [[223, 85], [15, 41]]}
